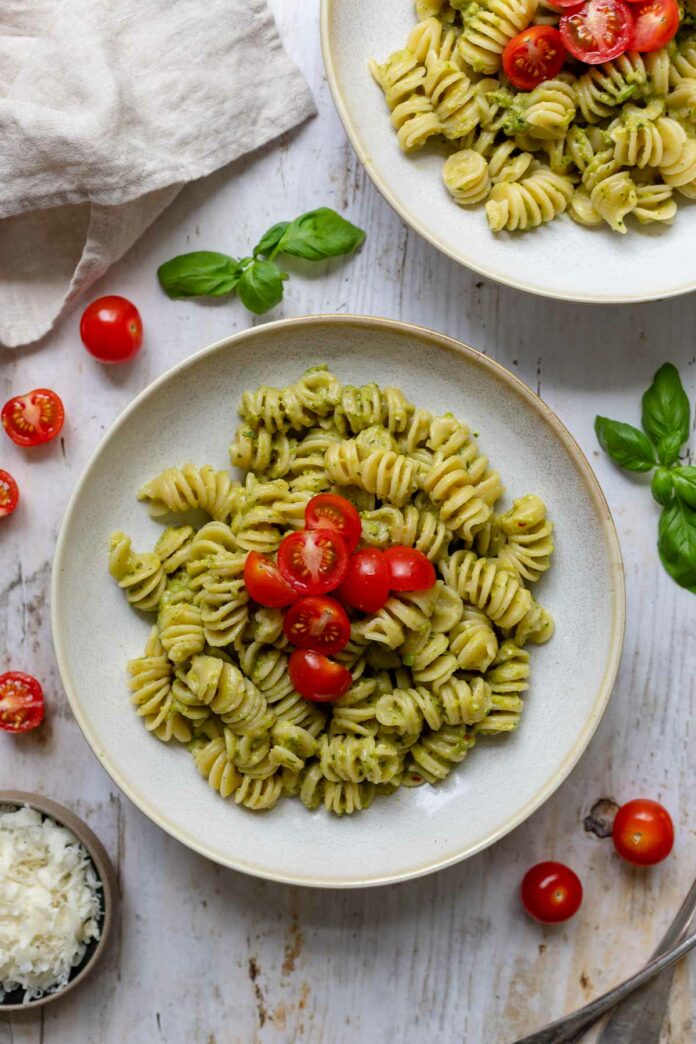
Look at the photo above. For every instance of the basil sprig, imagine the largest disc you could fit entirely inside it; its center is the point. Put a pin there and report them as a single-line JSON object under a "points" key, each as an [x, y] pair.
{"points": [[666, 418], [257, 280]]}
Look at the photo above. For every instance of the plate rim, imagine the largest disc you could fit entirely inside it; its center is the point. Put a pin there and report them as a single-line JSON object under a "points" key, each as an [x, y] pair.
{"points": [[326, 12], [616, 579]]}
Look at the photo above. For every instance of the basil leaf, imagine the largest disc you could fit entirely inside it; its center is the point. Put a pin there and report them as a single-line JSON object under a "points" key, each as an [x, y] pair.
{"points": [[260, 287], [677, 544], [318, 234], [663, 486], [626, 445], [270, 240], [203, 273], [685, 484], [666, 413]]}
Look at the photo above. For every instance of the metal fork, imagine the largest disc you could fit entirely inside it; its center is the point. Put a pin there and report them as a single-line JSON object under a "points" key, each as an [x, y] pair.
{"points": [[633, 1011]]}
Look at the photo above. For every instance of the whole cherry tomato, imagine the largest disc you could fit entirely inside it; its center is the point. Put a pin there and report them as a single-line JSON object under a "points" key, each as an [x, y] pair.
{"points": [[111, 329], [264, 583], [318, 678], [21, 702], [317, 622], [313, 561], [33, 418], [551, 892], [330, 511], [409, 569], [643, 832], [9, 494], [366, 583]]}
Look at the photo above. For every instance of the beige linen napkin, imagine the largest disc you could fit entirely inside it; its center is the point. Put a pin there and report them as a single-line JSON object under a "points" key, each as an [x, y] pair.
{"points": [[108, 107]]}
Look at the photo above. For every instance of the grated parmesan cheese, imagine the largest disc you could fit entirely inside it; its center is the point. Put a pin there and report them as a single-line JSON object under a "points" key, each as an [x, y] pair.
{"points": [[49, 903]]}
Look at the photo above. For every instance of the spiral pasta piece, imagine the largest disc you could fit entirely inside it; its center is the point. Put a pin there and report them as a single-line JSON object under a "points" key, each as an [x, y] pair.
{"points": [[223, 688], [259, 794], [529, 542], [141, 577], [189, 487], [508, 678], [355, 759], [473, 641], [222, 598], [640, 141], [402, 612], [410, 526], [484, 584], [402, 78], [488, 31], [536, 199], [181, 630], [448, 484], [150, 683], [370, 405], [261, 451], [436, 754], [214, 761], [466, 177]]}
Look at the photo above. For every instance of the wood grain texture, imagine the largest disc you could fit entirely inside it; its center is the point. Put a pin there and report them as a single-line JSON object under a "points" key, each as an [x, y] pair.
{"points": [[206, 956]]}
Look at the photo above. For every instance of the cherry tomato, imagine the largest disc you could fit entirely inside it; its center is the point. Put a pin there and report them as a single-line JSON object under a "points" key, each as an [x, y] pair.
{"points": [[409, 570], [535, 55], [33, 418], [656, 23], [264, 583], [111, 329], [643, 832], [329, 511], [551, 892], [366, 584], [318, 678], [9, 494], [21, 702], [598, 30], [313, 561], [317, 623]]}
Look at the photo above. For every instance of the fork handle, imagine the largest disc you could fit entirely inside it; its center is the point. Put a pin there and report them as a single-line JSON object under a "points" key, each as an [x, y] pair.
{"points": [[566, 1028]]}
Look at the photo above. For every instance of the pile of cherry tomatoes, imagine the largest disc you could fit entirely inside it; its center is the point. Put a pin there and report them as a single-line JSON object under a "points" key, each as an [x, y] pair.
{"points": [[112, 332], [323, 558], [593, 31], [643, 834]]}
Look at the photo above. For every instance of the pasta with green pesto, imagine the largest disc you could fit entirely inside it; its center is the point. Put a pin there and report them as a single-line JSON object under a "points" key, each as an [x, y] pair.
{"points": [[601, 143], [432, 670]]}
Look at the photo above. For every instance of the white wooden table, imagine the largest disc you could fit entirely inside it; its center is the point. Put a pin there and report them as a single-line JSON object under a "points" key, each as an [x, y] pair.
{"points": [[206, 956]]}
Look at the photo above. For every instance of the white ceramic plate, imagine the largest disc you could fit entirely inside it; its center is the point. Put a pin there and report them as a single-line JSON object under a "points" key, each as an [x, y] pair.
{"points": [[189, 414], [560, 259]]}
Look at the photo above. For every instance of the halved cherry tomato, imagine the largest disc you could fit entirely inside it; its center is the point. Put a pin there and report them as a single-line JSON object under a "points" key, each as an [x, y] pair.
{"points": [[366, 584], [21, 702], [656, 21], [551, 892], [9, 494], [535, 55], [643, 832], [111, 329], [264, 583], [318, 678], [330, 511], [409, 569], [33, 418], [313, 561], [598, 30], [317, 623]]}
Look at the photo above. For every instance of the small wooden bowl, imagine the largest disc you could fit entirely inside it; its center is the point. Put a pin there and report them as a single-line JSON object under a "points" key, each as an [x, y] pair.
{"points": [[109, 891]]}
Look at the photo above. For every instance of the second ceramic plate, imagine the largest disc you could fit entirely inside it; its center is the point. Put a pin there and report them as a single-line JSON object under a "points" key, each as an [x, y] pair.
{"points": [[560, 259], [189, 414]]}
